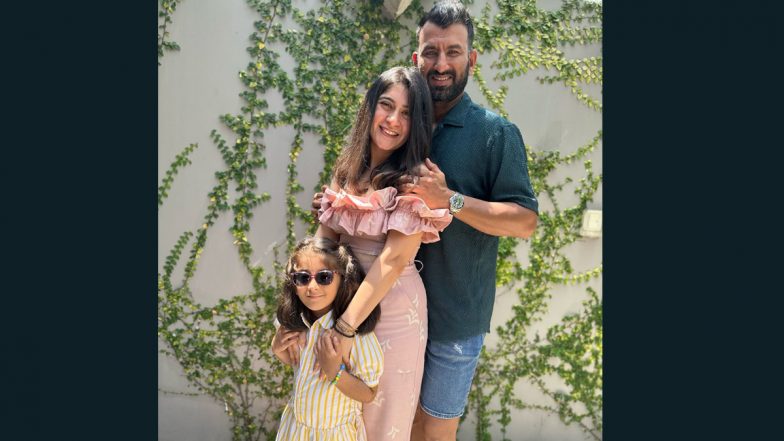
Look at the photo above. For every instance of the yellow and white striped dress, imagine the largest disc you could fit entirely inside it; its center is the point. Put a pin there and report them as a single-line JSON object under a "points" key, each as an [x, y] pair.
{"points": [[317, 410]]}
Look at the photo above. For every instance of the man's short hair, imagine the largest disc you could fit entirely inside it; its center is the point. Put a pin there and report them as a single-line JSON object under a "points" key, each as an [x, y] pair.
{"points": [[446, 13]]}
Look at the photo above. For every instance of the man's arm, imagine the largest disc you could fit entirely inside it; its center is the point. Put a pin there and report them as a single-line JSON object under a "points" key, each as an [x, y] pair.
{"points": [[316, 203], [493, 218], [497, 218], [323, 231]]}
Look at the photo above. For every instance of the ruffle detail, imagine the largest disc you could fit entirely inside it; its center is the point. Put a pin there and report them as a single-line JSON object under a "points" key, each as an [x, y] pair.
{"points": [[411, 215], [382, 210], [357, 215]]}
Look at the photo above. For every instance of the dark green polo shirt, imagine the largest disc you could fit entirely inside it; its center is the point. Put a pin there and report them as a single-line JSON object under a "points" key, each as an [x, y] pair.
{"points": [[483, 156]]}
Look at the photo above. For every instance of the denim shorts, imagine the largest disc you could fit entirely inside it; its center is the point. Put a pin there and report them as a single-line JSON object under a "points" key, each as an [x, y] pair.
{"points": [[449, 371]]}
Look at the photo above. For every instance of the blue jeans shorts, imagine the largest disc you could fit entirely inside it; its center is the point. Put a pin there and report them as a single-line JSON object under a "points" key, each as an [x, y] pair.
{"points": [[449, 371]]}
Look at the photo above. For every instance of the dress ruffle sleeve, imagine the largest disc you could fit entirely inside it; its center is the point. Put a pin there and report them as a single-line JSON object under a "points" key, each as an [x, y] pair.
{"points": [[357, 215], [367, 359], [381, 211], [411, 215]]}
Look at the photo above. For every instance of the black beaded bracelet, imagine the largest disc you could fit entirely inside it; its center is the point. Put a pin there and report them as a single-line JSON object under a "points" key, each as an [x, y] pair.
{"points": [[346, 327], [336, 329]]}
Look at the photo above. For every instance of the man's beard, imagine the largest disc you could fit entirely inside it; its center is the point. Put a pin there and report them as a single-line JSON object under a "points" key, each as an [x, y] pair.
{"points": [[448, 93]]}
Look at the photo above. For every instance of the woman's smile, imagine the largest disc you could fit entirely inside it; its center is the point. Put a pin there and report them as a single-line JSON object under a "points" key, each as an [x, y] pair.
{"points": [[391, 122]]}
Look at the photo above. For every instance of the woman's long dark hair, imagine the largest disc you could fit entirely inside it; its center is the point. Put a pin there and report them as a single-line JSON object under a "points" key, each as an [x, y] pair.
{"points": [[337, 257], [355, 157]]}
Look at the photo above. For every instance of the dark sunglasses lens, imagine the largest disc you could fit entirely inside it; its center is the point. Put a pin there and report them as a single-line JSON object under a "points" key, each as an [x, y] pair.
{"points": [[324, 277], [300, 279]]}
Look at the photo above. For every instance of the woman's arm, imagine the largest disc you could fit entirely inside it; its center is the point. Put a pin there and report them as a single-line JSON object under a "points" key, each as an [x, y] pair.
{"points": [[493, 218], [398, 252]]}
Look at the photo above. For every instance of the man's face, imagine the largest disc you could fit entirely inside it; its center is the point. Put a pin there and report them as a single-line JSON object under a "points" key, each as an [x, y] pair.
{"points": [[444, 59]]}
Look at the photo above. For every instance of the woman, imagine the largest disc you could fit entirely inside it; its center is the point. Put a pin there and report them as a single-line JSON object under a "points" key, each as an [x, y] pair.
{"points": [[364, 208]]}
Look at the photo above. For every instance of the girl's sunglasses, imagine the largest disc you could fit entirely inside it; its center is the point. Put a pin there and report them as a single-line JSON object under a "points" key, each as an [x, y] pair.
{"points": [[302, 278]]}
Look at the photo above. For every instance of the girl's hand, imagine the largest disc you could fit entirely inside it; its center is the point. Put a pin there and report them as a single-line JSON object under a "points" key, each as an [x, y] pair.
{"points": [[285, 345], [327, 356], [342, 347]]}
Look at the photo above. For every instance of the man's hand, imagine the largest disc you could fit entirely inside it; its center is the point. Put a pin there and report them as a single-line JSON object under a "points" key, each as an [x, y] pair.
{"points": [[316, 204], [431, 186]]}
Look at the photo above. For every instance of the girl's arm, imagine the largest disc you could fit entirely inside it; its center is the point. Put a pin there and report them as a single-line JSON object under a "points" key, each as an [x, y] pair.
{"points": [[349, 385]]}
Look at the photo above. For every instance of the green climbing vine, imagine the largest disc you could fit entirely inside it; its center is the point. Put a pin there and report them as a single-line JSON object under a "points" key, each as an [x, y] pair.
{"points": [[180, 161], [337, 49], [525, 38], [165, 10]]}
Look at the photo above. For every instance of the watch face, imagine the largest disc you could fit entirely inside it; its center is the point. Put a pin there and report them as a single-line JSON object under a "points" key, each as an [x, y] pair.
{"points": [[455, 202]]}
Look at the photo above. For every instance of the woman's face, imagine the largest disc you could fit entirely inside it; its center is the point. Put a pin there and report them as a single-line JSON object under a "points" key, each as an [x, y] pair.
{"points": [[391, 123], [316, 297]]}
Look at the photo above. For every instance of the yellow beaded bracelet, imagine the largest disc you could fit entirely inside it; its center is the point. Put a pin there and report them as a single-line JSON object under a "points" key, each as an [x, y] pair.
{"points": [[337, 377]]}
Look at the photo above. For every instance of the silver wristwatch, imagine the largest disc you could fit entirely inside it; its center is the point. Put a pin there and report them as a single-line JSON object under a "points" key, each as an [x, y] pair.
{"points": [[455, 203]]}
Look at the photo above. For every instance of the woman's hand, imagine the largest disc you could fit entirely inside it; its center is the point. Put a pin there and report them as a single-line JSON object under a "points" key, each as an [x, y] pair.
{"points": [[343, 346], [431, 186], [286, 346]]}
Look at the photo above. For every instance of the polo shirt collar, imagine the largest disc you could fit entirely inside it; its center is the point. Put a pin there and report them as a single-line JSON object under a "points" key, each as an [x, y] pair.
{"points": [[456, 116]]}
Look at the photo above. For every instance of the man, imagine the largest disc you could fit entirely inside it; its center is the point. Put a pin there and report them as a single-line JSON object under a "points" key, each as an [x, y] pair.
{"points": [[479, 172]]}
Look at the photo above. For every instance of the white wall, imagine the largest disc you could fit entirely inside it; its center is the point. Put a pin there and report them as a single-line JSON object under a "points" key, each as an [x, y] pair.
{"points": [[200, 82]]}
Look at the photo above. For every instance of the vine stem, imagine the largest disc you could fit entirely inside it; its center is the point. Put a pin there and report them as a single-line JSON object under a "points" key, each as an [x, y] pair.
{"points": [[166, 21]]}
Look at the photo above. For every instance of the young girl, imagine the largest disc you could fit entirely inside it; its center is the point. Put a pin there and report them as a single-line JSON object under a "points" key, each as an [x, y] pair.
{"points": [[322, 277]]}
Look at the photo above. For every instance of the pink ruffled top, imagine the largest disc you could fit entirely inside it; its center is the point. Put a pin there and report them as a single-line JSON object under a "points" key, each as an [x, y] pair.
{"points": [[372, 216]]}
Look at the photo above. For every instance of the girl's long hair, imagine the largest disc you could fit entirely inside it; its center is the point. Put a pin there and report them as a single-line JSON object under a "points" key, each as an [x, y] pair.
{"points": [[337, 257], [402, 163]]}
